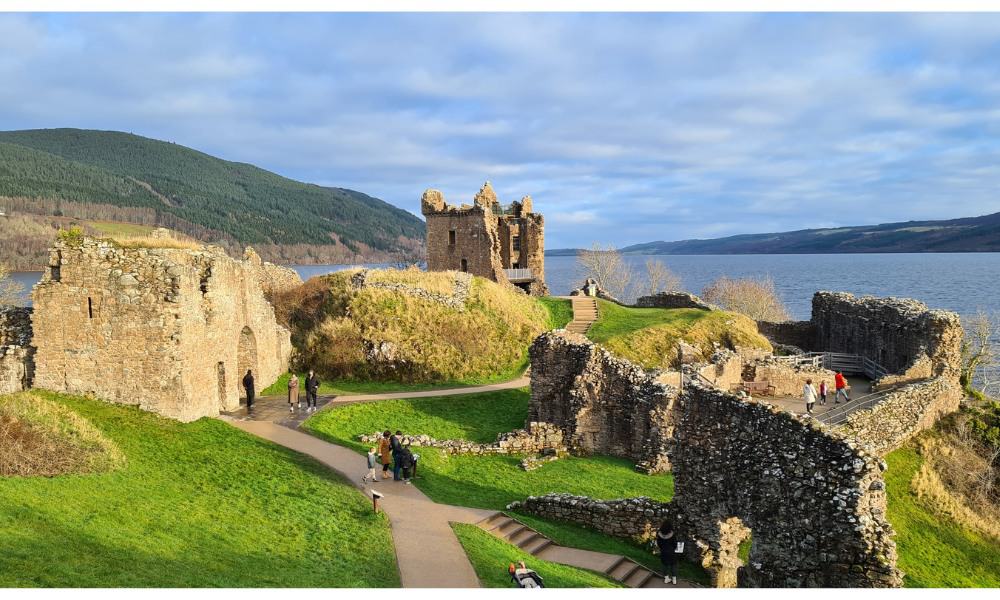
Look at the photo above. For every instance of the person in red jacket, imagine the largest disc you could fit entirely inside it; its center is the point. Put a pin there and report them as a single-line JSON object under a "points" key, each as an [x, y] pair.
{"points": [[841, 384]]}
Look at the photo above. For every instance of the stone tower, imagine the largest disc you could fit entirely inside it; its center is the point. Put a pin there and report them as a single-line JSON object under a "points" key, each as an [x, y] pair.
{"points": [[488, 239]]}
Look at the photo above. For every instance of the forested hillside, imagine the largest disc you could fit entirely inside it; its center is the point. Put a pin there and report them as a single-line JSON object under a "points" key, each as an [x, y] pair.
{"points": [[71, 172]]}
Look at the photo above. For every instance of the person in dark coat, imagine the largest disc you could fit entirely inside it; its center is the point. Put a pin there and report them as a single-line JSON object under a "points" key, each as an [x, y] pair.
{"points": [[666, 541], [407, 462], [312, 388], [248, 386], [396, 445]]}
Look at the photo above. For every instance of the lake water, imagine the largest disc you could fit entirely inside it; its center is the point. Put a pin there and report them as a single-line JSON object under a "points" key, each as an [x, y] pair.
{"points": [[963, 283]]}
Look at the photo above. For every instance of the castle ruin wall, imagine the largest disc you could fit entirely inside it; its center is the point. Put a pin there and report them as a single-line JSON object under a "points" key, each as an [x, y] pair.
{"points": [[170, 330], [16, 351], [628, 518]]}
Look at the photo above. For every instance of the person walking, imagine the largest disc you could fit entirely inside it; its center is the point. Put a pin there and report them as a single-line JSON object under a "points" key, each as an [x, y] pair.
{"points": [[293, 391], [312, 388], [667, 543], [371, 468], [248, 386], [840, 382], [385, 451], [809, 395], [406, 461], [396, 446], [822, 392]]}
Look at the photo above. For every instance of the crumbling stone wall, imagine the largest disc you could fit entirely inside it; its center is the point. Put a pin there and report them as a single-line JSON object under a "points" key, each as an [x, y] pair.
{"points": [[814, 501], [603, 404], [903, 413], [171, 330], [629, 518], [537, 437], [673, 300], [483, 235], [788, 379], [273, 278], [16, 351], [799, 334]]}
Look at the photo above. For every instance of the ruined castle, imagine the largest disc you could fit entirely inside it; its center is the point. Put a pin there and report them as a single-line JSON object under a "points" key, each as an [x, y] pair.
{"points": [[488, 239], [170, 329]]}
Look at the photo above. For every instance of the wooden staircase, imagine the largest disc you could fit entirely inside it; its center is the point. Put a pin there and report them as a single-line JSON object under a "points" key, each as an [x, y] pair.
{"points": [[622, 569], [584, 314]]}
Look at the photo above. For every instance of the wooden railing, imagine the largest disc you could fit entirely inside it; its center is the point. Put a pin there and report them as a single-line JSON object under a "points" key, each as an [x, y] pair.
{"points": [[838, 361]]}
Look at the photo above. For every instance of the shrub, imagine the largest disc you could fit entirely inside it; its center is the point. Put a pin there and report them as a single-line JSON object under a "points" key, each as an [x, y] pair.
{"points": [[753, 297]]}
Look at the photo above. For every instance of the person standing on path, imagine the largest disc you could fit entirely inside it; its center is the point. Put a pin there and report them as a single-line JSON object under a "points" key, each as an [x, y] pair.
{"points": [[667, 544], [312, 388], [809, 395], [841, 384], [822, 392], [397, 447], [385, 451], [248, 386], [293, 391], [406, 461], [371, 468]]}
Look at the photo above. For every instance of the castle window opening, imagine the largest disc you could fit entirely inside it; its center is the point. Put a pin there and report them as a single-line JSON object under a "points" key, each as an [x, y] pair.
{"points": [[465, 266], [451, 237], [90, 307], [516, 244]]}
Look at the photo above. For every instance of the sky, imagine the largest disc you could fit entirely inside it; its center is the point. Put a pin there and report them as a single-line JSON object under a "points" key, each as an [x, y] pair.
{"points": [[623, 128]]}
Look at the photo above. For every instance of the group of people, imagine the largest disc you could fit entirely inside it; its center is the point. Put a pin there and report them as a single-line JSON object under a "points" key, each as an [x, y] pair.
{"points": [[810, 395], [312, 389], [392, 453]]}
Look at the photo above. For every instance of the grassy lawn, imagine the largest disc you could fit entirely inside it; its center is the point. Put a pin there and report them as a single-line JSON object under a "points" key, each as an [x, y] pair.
{"points": [[491, 556], [560, 311], [195, 505], [567, 534], [648, 336], [351, 387], [934, 551], [483, 481]]}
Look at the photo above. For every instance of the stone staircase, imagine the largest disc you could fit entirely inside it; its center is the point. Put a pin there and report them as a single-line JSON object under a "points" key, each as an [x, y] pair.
{"points": [[584, 314], [621, 569]]}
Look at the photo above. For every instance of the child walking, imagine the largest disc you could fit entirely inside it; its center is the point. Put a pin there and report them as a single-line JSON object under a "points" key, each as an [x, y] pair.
{"points": [[370, 475], [822, 392]]}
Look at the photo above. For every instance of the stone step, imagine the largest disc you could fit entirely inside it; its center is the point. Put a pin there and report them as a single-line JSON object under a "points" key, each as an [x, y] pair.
{"points": [[647, 576], [493, 520], [623, 570], [636, 577], [509, 532], [500, 524], [540, 544], [523, 535]]}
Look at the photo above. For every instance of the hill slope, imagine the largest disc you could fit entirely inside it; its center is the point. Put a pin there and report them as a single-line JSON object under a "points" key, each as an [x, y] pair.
{"points": [[972, 234], [236, 200]]}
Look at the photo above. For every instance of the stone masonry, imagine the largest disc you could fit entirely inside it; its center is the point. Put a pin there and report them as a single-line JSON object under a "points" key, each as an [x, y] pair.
{"points": [[486, 238], [170, 330], [813, 501], [629, 518], [536, 438], [16, 351], [603, 404]]}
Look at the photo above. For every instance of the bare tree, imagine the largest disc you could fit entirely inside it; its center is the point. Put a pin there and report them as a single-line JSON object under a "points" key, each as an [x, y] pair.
{"points": [[606, 266], [660, 278], [980, 362], [10, 290], [753, 297]]}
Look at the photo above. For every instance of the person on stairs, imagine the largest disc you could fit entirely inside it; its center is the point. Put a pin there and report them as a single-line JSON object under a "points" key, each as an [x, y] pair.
{"points": [[667, 543]]}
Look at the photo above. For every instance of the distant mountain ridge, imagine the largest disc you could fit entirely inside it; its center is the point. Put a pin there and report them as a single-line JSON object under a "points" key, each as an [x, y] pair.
{"points": [[190, 189], [969, 234]]}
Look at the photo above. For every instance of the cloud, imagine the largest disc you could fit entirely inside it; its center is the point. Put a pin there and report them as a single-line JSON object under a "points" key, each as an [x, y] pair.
{"points": [[625, 127]]}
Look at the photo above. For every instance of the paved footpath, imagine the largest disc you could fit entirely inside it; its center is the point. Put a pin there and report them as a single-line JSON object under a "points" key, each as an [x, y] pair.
{"points": [[428, 553]]}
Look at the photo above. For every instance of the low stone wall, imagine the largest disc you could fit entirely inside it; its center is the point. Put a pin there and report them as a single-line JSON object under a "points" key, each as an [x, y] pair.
{"points": [[632, 518], [16, 352], [673, 300], [813, 501], [538, 437], [789, 379], [457, 299], [905, 412], [603, 404], [800, 334]]}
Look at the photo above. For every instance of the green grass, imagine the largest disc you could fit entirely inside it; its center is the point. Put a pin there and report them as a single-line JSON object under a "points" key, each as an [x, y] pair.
{"points": [[649, 336], [200, 504], [490, 557], [568, 534], [353, 387], [474, 417], [483, 481], [560, 311], [934, 551]]}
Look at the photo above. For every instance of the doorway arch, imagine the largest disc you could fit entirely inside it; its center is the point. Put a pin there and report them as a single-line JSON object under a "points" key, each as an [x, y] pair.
{"points": [[246, 355]]}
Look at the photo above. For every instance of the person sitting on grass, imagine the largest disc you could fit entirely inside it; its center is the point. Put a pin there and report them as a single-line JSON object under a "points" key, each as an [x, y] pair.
{"points": [[523, 577]]}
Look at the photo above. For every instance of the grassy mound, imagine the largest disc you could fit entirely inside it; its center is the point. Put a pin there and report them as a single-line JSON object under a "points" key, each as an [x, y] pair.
{"points": [[649, 336], [482, 481], [41, 437], [491, 556], [400, 326], [934, 550], [197, 504], [560, 311]]}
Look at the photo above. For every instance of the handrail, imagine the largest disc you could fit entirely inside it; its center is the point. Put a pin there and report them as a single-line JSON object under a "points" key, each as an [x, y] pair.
{"points": [[840, 414]]}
